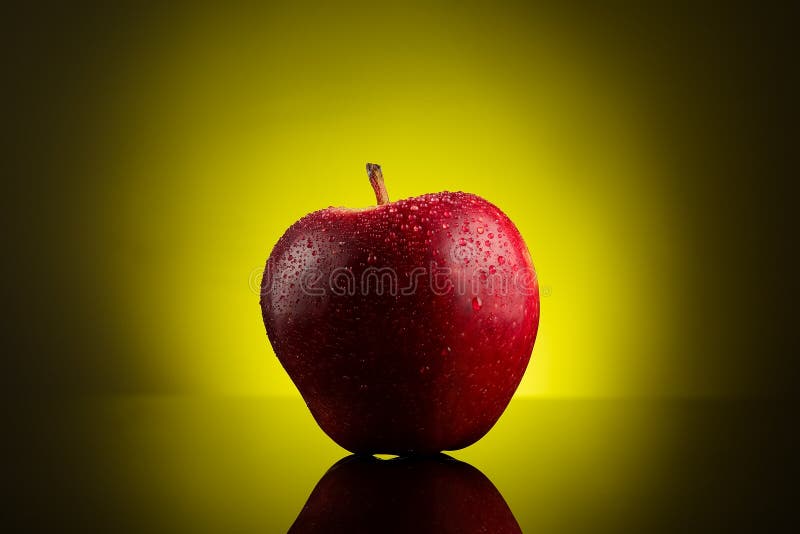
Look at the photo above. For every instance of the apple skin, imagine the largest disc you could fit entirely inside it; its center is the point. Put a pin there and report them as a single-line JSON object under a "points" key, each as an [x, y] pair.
{"points": [[361, 494], [422, 372]]}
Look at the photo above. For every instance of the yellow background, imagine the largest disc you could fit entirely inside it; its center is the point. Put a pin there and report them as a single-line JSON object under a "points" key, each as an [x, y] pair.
{"points": [[230, 126]]}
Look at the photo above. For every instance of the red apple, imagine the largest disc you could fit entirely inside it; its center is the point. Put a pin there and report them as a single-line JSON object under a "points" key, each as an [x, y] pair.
{"points": [[406, 326], [421, 495]]}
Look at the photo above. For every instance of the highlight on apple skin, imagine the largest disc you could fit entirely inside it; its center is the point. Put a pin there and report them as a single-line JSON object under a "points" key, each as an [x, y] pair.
{"points": [[406, 326]]}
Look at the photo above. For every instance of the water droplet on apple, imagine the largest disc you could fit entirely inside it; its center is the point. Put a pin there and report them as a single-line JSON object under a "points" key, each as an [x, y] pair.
{"points": [[415, 228], [462, 242], [491, 235], [480, 229], [476, 303], [492, 270], [501, 260], [447, 214], [413, 207]]}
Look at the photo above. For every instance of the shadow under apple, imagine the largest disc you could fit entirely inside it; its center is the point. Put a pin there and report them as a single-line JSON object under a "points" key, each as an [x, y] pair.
{"points": [[408, 494]]}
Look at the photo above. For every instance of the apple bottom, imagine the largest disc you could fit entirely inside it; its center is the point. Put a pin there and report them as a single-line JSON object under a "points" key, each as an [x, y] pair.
{"points": [[379, 406]]}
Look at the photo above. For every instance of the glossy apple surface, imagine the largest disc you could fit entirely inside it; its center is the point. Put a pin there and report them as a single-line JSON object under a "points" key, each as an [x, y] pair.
{"points": [[405, 326], [421, 495]]}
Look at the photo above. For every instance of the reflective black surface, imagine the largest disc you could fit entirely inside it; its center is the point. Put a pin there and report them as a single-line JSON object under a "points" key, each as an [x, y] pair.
{"points": [[427, 494], [252, 465]]}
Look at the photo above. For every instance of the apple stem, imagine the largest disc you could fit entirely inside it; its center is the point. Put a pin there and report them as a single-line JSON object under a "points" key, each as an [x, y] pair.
{"points": [[376, 180]]}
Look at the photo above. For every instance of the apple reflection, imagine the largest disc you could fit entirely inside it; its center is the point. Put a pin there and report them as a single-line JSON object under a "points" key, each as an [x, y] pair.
{"points": [[411, 494]]}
